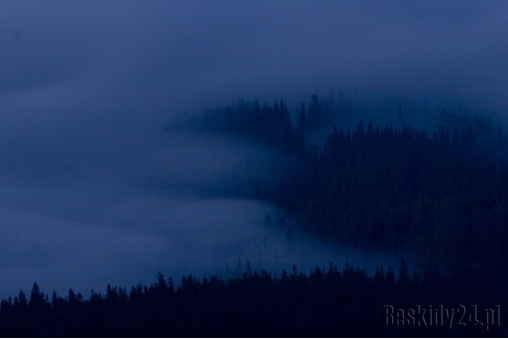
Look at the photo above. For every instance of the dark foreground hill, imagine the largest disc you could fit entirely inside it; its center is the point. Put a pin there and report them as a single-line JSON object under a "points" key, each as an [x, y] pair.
{"points": [[324, 303]]}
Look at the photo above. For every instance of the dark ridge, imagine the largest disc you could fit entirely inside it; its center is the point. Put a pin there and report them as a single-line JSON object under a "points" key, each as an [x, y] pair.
{"points": [[323, 303]]}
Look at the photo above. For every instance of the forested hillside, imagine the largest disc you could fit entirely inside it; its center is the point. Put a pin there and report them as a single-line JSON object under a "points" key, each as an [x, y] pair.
{"points": [[433, 196]]}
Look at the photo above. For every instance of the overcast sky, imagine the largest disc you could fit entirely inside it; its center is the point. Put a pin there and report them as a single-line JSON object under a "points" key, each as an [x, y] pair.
{"points": [[86, 87]]}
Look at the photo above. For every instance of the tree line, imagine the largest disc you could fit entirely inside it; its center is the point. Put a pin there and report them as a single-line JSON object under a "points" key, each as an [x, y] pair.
{"points": [[323, 303]]}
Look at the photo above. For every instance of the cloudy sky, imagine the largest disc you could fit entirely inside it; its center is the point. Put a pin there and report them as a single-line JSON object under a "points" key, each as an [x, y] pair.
{"points": [[92, 186]]}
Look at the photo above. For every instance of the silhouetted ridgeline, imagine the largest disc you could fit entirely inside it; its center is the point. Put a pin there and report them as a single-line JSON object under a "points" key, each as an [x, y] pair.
{"points": [[324, 303]]}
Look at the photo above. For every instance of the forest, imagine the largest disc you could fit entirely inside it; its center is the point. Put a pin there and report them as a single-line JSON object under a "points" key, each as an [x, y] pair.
{"points": [[438, 198], [323, 303]]}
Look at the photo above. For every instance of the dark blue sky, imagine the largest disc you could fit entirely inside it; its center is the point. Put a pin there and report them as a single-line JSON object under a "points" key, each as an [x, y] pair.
{"points": [[86, 87]]}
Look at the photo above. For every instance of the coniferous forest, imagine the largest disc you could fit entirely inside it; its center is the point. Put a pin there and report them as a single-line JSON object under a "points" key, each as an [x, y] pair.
{"points": [[438, 198], [324, 303]]}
